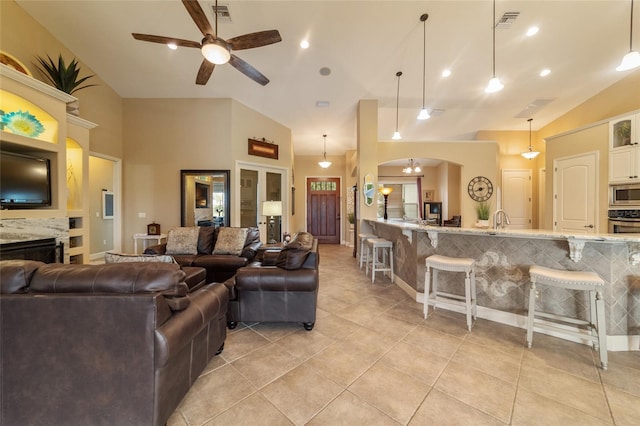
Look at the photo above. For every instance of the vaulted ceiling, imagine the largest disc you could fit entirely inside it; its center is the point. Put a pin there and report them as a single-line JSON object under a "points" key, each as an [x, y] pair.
{"points": [[363, 44]]}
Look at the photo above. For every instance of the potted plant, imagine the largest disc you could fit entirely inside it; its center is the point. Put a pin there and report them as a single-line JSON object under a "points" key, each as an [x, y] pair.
{"points": [[64, 77], [351, 217], [483, 210]]}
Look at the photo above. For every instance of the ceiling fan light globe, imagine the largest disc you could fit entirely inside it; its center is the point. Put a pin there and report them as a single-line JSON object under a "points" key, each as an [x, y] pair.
{"points": [[424, 114], [494, 85], [216, 52], [629, 61]]}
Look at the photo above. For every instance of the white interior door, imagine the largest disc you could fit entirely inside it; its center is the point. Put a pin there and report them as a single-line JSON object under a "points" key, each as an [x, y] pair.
{"points": [[257, 185], [516, 197], [575, 194]]}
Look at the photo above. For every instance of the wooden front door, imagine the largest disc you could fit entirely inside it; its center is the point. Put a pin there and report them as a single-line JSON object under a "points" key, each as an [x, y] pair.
{"points": [[323, 209]]}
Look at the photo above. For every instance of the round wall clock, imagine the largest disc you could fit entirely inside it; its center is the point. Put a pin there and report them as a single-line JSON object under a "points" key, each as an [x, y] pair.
{"points": [[480, 188]]}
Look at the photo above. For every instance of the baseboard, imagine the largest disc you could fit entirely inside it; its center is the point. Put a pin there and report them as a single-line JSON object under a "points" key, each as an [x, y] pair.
{"points": [[614, 343]]}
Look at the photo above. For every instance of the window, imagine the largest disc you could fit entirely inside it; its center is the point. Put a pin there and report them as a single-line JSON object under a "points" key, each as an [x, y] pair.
{"points": [[402, 202]]}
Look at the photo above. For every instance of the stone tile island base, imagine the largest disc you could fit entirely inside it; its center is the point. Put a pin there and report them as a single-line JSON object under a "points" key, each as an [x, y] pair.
{"points": [[503, 258]]}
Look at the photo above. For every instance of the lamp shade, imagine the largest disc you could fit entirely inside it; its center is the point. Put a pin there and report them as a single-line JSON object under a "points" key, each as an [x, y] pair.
{"points": [[529, 155], [272, 208], [216, 51], [386, 190], [494, 85], [324, 163], [629, 61]]}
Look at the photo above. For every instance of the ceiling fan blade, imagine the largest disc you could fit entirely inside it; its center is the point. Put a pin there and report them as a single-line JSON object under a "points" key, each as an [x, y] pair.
{"points": [[248, 41], [206, 68], [248, 70], [198, 16], [166, 40]]}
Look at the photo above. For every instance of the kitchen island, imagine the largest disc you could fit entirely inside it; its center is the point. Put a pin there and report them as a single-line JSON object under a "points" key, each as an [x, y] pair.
{"points": [[503, 258]]}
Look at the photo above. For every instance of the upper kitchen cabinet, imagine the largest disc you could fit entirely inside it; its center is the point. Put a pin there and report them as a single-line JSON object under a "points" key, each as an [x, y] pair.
{"points": [[624, 149]]}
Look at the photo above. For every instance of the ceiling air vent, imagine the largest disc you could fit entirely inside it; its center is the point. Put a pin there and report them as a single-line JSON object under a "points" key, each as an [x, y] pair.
{"points": [[506, 20], [222, 11]]}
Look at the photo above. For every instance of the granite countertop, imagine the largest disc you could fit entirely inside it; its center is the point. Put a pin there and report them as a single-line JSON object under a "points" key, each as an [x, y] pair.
{"points": [[521, 233]]}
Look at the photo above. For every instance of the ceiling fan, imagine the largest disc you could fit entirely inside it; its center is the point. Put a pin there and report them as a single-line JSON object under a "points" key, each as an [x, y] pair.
{"points": [[215, 49]]}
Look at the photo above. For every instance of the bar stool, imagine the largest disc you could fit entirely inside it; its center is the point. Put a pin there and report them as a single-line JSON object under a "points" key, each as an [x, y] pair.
{"points": [[452, 264], [373, 255], [572, 280], [363, 252]]}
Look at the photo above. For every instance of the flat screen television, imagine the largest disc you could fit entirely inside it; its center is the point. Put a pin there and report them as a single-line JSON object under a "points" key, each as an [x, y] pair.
{"points": [[25, 181]]}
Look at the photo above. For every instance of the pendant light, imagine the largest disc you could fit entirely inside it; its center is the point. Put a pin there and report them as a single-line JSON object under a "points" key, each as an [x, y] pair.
{"points": [[494, 84], [424, 114], [632, 59], [412, 166], [531, 154], [396, 135], [324, 163]]}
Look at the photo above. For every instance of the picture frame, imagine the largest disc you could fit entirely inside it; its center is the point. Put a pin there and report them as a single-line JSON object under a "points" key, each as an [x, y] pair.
{"points": [[107, 205], [428, 195], [263, 149]]}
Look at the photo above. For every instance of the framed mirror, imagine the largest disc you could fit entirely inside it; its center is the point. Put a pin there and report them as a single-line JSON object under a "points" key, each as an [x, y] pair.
{"points": [[205, 198]]}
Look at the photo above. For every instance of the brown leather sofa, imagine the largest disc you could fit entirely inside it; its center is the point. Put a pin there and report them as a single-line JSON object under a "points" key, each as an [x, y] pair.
{"points": [[219, 267], [115, 344], [283, 287]]}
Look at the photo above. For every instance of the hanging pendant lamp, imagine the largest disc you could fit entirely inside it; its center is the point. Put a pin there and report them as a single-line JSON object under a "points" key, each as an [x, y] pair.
{"points": [[396, 135], [324, 163], [424, 114], [632, 59], [494, 84], [531, 154]]}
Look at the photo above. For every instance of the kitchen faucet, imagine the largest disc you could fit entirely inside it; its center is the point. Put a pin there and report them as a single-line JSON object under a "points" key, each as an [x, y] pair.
{"points": [[500, 223]]}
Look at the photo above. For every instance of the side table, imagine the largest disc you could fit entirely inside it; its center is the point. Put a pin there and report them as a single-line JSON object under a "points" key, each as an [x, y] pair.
{"points": [[146, 237]]}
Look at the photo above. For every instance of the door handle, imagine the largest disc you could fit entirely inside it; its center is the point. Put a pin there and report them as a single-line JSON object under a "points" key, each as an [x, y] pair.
{"points": [[589, 226]]}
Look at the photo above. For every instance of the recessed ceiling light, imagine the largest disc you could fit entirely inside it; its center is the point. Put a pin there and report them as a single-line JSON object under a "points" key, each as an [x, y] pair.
{"points": [[545, 72], [172, 46], [446, 73], [325, 71], [532, 31], [304, 44]]}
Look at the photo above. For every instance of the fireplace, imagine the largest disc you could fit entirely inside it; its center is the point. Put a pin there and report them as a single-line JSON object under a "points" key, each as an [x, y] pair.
{"points": [[44, 250]]}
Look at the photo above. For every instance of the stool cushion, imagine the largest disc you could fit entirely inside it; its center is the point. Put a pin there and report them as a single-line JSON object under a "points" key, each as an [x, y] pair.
{"points": [[454, 264], [379, 242], [550, 276]]}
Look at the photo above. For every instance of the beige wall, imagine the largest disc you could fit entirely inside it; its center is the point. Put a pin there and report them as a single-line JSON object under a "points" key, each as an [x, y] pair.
{"points": [[24, 38], [475, 159], [186, 134]]}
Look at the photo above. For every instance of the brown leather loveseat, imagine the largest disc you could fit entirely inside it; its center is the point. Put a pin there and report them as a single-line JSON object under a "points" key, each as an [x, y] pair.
{"points": [[115, 344], [219, 267], [283, 287]]}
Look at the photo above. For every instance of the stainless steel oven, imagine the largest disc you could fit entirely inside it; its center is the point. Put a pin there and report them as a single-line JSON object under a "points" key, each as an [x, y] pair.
{"points": [[627, 195], [624, 221]]}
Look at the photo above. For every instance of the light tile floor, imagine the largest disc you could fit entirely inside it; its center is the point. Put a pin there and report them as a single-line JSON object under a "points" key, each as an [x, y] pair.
{"points": [[372, 359]]}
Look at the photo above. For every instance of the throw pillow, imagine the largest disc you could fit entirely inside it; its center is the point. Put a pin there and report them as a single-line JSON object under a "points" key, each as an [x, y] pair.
{"points": [[230, 241], [121, 257], [291, 258], [183, 240], [302, 240]]}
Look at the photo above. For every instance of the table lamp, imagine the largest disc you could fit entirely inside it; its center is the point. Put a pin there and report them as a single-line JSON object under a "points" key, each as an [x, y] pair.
{"points": [[385, 191], [271, 209]]}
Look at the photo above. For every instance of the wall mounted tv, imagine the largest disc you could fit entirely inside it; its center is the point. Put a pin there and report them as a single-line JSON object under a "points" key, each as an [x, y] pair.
{"points": [[25, 181]]}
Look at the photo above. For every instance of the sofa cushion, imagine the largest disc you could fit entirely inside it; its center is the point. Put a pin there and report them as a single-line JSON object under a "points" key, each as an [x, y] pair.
{"points": [[291, 258], [295, 253], [302, 240], [230, 241], [183, 240], [15, 275], [110, 257], [206, 239], [166, 278]]}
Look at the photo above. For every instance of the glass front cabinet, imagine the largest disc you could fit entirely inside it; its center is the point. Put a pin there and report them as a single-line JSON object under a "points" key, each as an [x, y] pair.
{"points": [[624, 149]]}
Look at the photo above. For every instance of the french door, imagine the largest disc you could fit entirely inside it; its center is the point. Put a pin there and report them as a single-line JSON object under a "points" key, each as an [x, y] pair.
{"points": [[262, 200]]}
